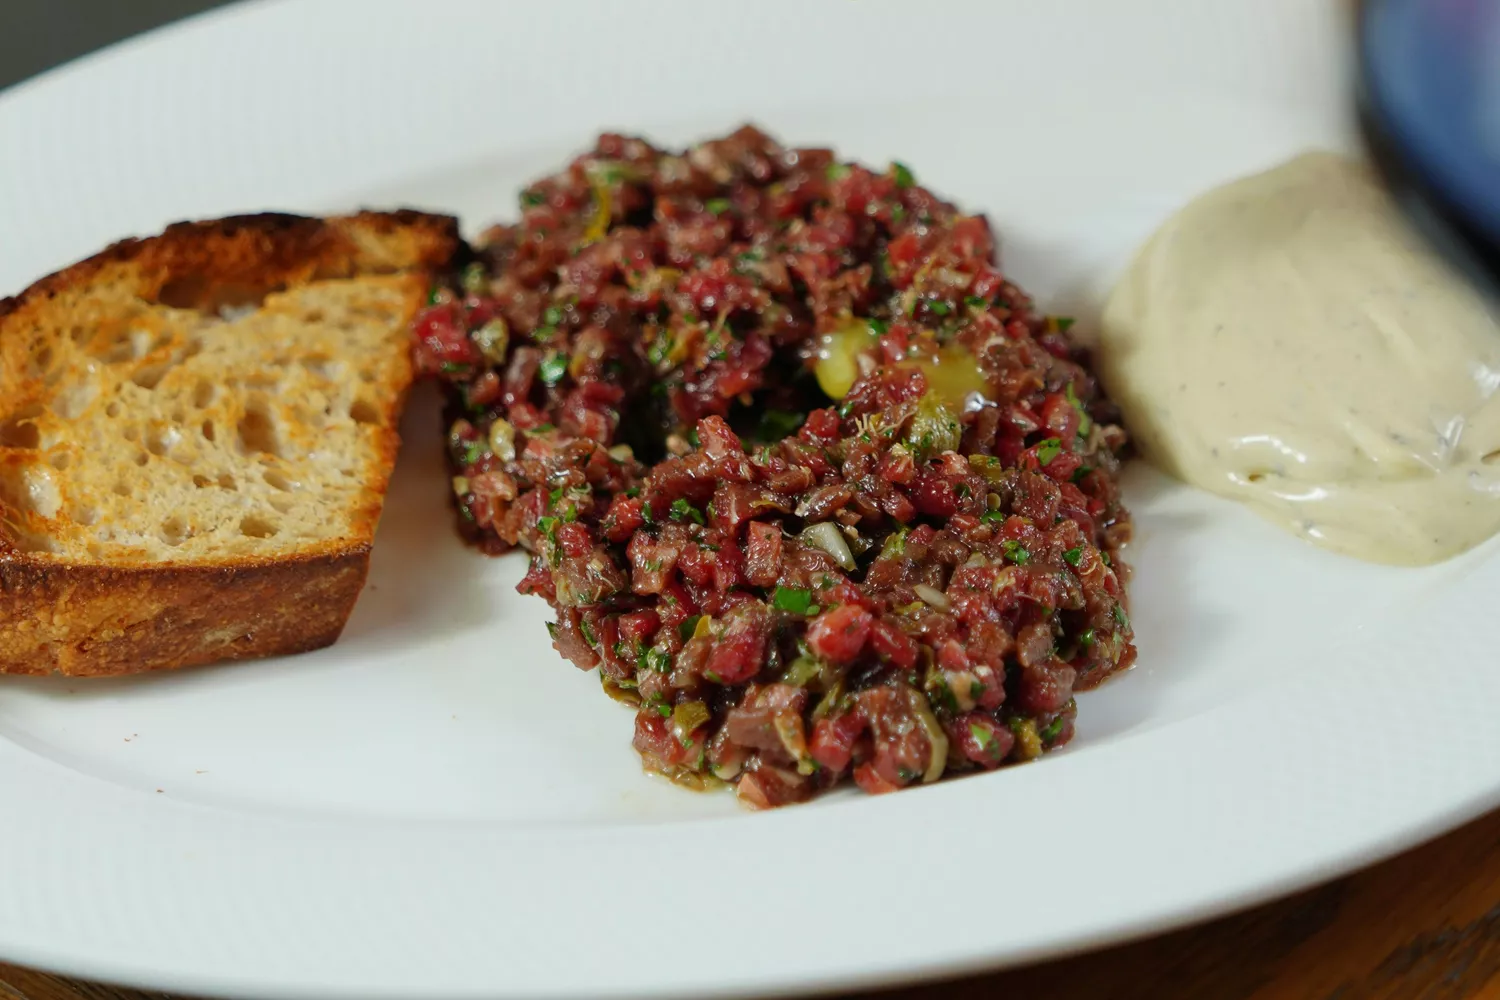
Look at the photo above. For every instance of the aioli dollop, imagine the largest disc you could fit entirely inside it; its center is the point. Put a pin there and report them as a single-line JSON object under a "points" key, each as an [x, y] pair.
{"points": [[1288, 341]]}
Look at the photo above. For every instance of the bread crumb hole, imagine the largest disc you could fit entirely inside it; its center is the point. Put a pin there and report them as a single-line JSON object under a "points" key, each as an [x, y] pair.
{"points": [[44, 358], [281, 505], [258, 431], [256, 526], [121, 488], [112, 410], [203, 394], [162, 440], [86, 516], [322, 366], [150, 377], [61, 460], [1491, 458], [132, 434], [20, 433], [226, 482], [202, 482], [174, 531], [277, 480], [362, 411], [142, 458], [78, 334], [208, 430]]}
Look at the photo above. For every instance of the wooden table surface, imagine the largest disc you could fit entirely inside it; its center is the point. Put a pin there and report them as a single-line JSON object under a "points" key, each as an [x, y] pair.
{"points": [[1423, 926]]}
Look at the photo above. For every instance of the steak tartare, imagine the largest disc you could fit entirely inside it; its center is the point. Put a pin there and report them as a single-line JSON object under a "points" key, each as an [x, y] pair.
{"points": [[810, 482]]}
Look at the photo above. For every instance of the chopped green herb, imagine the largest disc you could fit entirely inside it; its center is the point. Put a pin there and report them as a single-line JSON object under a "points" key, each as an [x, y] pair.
{"points": [[985, 737], [1073, 556], [1063, 323], [777, 424], [1086, 638], [543, 429], [588, 633], [718, 206], [552, 316], [531, 199], [454, 367], [992, 516], [684, 511], [938, 308], [633, 492], [976, 689], [552, 630], [688, 627], [1015, 552], [846, 407], [1047, 450], [877, 326], [553, 367], [473, 278], [1080, 472], [713, 677], [793, 599], [656, 659], [1120, 616], [548, 527], [1084, 422], [473, 452], [902, 174], [976, 302], [1053, 728], [836, 171]]}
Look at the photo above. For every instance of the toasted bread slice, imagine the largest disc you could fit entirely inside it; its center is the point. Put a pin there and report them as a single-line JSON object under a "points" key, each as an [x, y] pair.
{"points": [[196, 434]]}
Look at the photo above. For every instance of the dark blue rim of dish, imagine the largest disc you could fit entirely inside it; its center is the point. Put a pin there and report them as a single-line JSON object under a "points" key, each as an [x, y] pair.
{"points": [[1428, 90]]}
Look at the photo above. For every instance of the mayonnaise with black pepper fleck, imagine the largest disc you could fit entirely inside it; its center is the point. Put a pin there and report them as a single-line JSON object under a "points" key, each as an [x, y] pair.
{"points": [[1288, 341]]}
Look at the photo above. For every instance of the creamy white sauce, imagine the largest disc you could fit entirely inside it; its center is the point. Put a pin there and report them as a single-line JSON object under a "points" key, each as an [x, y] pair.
{"points": [[1288, 341]]}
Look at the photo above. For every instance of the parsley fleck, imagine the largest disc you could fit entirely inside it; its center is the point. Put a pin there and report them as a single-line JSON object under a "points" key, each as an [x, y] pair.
{"points": [[1047, 450], [531, 199], [1086, 638], [778, 424], [976, 302], [1120, 616], [1053, 728], [938, 308], [836, 171], [1073, 556], [1015, 552], [717, 206], [552, 630], [454, 367], [588, 633], [794, 599], [553, 367], [985, 737], [688, 627], [1084, 423], [1063, 323], [552, 316], [684, 511], [877, 326], [902, 174], [992, 516], [656, 659]]}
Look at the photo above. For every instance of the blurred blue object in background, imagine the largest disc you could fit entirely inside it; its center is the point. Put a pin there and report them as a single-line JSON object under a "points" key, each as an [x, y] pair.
{"points": [[1429, 93]]}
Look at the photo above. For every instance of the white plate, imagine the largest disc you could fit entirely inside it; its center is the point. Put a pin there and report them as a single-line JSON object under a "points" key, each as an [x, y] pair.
{"points": [[439, 806]]}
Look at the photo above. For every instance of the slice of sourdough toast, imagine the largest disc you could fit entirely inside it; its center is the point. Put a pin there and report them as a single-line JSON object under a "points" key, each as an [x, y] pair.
{"points": [[196, 434]]}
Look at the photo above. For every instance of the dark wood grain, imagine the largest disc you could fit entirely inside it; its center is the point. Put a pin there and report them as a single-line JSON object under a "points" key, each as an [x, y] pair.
{"points": [[1423, 926]]}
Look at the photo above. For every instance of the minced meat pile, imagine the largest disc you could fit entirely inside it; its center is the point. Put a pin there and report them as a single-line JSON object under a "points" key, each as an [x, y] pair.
{"points": [[810, 482]]}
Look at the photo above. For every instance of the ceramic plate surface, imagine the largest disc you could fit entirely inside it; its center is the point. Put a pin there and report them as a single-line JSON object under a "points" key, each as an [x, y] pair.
{"points": [[439, 806]]}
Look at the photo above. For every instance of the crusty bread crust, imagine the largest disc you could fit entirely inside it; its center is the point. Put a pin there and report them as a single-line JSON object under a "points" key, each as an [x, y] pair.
{"points": [[71, 616]]}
